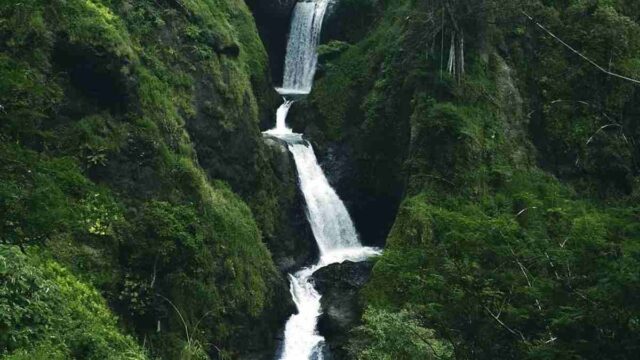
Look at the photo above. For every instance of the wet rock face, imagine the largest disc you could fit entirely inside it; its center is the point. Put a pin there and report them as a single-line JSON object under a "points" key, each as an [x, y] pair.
{"points": [[273, 8], [96, 75], [342, 309], [273, 18], [372, 212], [294, 247], [349, 20]]}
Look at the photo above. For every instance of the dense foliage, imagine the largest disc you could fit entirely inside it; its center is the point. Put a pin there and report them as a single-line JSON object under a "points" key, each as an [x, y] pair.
{"points": [[47, 313], [114, 117], [137, 197], [517, 236], [526, 272]]}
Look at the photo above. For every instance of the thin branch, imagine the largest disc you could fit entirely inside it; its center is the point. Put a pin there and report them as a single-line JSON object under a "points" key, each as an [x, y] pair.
{"points": [[461, 57], [442, 43], [522, 268], [577, 101], [552, 265], [437, 178], [452, 55], [155, 272], [426, 341], [523, 210], [184, 323], [526, 276], [514, 332], [195, 328], [635, 81], [602, 128]]}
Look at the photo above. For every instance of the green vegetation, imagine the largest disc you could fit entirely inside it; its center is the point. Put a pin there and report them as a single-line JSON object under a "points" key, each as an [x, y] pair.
{"points": [[47, 313], [385, 336], [137, 199], [102, 169], [517, 237], [525, 272]]}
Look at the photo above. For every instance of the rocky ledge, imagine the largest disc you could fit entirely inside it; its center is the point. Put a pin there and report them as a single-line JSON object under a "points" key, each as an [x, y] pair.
{"points": [[342, 309]]}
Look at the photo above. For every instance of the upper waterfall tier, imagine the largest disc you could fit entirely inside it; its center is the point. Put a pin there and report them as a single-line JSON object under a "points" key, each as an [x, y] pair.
{"points": [[302, 56]]}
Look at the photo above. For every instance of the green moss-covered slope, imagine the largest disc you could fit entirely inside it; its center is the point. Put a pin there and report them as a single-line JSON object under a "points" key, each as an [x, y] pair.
{"points": [[517, 233], [115, 118], [47, 313]]}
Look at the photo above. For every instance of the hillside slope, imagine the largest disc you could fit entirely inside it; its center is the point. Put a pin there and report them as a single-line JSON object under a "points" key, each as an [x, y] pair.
{"points": [[515, 173], [126, 130]]}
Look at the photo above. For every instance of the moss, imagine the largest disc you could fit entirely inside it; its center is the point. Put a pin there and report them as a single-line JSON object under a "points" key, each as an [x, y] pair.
{"points": [[342, 80], [48, 313], [453, 257], [101, 163], [566, 145], [91, 22], [483, 232], [331, 49], [349, 74]]}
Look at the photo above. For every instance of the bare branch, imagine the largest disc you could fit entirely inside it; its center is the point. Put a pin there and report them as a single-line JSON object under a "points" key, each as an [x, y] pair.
{"points": [[496, 318], [184, 323], [602, 128], [523, 210], [526, 276], [635, 81]]}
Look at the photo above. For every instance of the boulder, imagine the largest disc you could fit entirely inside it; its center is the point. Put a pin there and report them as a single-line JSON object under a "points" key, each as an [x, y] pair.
{"points": [[342, 309]]}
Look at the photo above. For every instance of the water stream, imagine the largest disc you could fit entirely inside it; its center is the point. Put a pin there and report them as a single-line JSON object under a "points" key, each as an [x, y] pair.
{"points": [[330, 222], [337, 241], [301, 58]]}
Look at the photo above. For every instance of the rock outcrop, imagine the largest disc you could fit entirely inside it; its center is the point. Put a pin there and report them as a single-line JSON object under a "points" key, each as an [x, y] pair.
{"points": [[295, 246], [342, 309], [273, 18], [138, 124]]}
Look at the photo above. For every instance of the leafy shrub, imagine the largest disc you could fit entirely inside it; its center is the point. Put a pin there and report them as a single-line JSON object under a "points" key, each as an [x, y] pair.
{"points": [[386, 336], [45, 312], [525, 273]]}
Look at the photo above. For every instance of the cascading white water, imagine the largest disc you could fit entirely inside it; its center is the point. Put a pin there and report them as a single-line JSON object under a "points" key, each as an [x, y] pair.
{"points": [[335, 235], [301, 340], [337, 240], [330, 222], [281, 117], [301, 57]]}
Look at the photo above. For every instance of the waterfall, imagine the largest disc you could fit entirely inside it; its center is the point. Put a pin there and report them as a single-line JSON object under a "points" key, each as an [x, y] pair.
{"points": [[337, 240], [281, 117], [301, 340], [301, 57], [330, 222]]}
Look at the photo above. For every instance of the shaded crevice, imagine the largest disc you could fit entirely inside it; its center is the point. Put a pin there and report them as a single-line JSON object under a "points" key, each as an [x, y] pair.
{"points": [[95, 76], [273, 19], [373, 213]]}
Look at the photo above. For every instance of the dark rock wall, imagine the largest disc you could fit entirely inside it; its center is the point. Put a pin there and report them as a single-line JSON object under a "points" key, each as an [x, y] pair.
{"points": [[296, 246], [273, 19], [134, 127], [341, 304]]}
